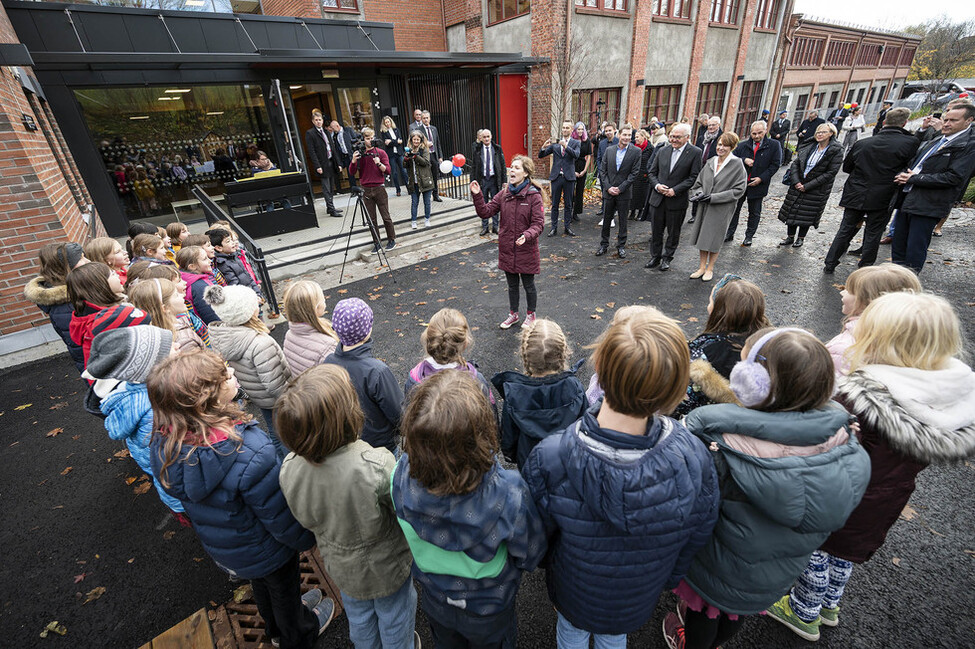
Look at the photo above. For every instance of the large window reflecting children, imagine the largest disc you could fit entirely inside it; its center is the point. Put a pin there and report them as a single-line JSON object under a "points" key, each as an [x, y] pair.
{"points": [[157, 142]]}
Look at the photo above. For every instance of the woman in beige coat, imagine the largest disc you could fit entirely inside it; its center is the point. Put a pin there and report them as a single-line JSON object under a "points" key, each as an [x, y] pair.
{"points": [[716, 191]]}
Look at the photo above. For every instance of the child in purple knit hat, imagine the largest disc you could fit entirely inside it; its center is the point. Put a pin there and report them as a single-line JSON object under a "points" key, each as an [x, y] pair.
{"points": [[379, 395]]}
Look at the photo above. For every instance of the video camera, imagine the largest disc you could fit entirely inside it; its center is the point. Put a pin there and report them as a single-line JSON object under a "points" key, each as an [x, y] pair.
{"points": [[361, 146]]}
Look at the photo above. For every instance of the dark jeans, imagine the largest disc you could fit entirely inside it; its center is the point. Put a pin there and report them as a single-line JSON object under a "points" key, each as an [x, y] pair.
{"points": [[427, 198], [531, 295], [373, 197], [273, 434], [672, 220], [803, 229], [580, 190], [455, 628], [278, 598], [912, 236], [396, 166], [563, 191], [490, 190], [328, 189], [754, 216], [702, 632], [614, 206], [876, 221]]}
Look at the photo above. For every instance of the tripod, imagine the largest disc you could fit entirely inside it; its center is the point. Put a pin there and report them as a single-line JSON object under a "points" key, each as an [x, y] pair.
{"points": [[360, 210]]}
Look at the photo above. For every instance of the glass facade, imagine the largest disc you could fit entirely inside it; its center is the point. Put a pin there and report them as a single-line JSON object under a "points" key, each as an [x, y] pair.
{"points": [[156, 142], [213, 6]]}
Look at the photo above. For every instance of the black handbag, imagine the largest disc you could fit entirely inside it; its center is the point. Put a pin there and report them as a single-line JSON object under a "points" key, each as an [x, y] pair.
{"points": [[787, 177]]}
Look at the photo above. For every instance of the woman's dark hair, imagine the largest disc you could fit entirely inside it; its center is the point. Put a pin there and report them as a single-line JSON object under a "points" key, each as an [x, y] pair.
{"points": [[135, 229], [89, 283], [449, 433], [54, 264], [739, 308]]}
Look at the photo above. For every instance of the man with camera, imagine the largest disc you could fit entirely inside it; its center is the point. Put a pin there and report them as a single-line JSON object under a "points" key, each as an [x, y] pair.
{"points": [[371, 163]]}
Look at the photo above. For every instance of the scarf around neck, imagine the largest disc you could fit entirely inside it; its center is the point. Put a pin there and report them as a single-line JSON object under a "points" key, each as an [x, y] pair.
{"points": [[514, 189]]}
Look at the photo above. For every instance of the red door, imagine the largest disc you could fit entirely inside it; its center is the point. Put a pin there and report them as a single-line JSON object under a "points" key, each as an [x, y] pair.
{"points": [[513, 114]]}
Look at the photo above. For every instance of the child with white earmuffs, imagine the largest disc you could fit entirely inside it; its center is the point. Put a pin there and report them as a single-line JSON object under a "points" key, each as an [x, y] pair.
{"points": [[790, 470]]}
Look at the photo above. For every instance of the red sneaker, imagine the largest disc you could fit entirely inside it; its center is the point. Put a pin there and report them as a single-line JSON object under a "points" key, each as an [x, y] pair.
{"points": [[510, 320], [529, 320]]}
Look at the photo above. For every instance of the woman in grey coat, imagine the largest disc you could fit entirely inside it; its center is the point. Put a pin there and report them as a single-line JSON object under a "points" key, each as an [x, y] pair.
{"points": [[716, 191]]}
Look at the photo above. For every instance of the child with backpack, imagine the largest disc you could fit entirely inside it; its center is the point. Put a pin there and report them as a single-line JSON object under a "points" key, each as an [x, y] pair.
{"points": [[790, 471], [380, 396], [194, 267], [546, 398], [471, 524], [913, 398], [362, 546], [99, 305], [310, 337], [627, 494], [222, 467]]}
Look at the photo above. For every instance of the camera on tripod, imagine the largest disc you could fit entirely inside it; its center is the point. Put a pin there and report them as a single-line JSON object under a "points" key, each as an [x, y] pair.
{"points": [[361, 147]]}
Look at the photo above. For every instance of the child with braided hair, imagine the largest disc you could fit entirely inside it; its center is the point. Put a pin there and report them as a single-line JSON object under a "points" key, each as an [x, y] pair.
{"points": [[546, 399]]}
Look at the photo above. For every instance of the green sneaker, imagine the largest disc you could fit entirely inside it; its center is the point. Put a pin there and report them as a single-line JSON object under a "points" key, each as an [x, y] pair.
{"points": [[829, 616], [782, 612]]}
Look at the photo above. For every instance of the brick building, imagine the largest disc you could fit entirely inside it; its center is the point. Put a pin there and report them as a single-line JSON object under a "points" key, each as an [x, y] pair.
{"points": [[827, 63]]}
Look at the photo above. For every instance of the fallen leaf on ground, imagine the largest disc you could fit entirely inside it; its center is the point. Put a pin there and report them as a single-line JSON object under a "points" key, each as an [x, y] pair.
{"points": [[66, 471], [131, 560], [692, 319], [243, 593], [79, 578], [94, 594], [141, 488], [130, 480], [24, 407], [596, 316], [600, 309], [120, 454], [54, 627], [686, 306], [59, 405], [896, 561], [611, 304], [54, 432], [908, 513], [971, 552], [198, 559], [168, 535]]}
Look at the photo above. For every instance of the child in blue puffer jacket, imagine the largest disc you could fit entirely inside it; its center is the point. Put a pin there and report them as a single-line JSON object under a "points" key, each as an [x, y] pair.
{"points": [[471, 524], [627, 495], [126, 357], [224, 469]]}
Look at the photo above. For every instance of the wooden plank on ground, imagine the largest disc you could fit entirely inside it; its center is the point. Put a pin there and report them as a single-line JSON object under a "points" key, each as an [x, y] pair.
{"points": [[191, 633], [222, 630]]}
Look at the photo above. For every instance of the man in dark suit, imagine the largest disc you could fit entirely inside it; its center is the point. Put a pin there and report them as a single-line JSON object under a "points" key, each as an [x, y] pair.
{"points": [[433, 136], [488, 169], [620, 167], [323, 158], [707, 142], [762, 157], [343, 138], [562, 176], [872, 164], [931, 186], [672, 173], [882, 116], [807, 129], [417, 123], [779, 129]]}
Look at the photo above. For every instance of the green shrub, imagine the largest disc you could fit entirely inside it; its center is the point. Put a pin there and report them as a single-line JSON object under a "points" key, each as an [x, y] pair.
{"points": [[969, 196]]}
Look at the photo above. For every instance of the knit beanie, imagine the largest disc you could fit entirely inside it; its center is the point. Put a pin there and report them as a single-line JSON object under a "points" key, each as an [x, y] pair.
{"points": [[234, 305], [117, 317], [130, 353], [73, 253], [352, 321]]}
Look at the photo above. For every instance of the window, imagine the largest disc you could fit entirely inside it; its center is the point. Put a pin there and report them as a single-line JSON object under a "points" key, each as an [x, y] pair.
{"points": [[671, 8], [662, 101], [499, 10], [860, 94], [340, 5], [604, 5], [215, 6], [593, 107], [750, 105], [800, 112], [849, 96], [710, 99], [873, 94], [724, 12], [765, 14], [883, 93], [869, 55], [819, 99], [891, 55], [806, 52], [835, 97], [839, 54], [907, 56]]}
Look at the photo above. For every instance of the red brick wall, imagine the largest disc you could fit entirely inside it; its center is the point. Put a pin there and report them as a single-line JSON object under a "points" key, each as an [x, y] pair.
{"points": [[37, 205], [296, 8], [638, 61], [417, 24], [474, 26], [545, 15], [454, 11]]}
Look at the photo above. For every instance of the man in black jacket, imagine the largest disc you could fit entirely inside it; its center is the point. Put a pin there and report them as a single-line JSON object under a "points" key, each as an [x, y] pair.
{"points": [[488, 169], [324, 159], [436, 155], [807, 129], [620, 167], [343, 137], [872, 164], [672, 173], [882, 116], [762, 157], [779, 129], [931, 186]]}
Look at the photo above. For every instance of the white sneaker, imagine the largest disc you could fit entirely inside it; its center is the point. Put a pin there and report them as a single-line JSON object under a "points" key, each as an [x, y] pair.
{"points": [[600, 223], [413, 225], [426, 223], [613, 224]]}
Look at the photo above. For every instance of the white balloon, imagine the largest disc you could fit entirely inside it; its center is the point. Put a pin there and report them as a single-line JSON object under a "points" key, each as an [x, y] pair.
{"points": [[446, 166]]}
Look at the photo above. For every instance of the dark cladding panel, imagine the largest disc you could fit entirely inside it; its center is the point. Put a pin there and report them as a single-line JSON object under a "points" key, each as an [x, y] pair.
{"points": [[336, 37], [145, 33], [45, 31], [188, 32], [102, 32], [224, 36]]}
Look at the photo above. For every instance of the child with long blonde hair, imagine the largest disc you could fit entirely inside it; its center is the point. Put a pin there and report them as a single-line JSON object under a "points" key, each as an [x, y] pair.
{"points": [[544, 400], [187, 318], [862, 287], [310, 337], [913, 398], [111, 253], [163, 301], [212, 457]]}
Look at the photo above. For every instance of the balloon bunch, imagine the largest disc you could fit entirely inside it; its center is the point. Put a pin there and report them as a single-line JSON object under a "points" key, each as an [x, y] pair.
{"points": [[454, 165]]}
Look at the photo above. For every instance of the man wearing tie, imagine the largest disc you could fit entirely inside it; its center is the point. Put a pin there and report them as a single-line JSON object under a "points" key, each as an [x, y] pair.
{"points": [[489, 171], [562, 176], [433, 137], [342, 145], [672, 173], [620, 167], [323, 159], [417, 124], [931, 186]]}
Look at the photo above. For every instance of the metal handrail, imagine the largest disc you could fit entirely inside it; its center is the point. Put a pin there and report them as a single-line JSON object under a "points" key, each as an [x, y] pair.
{"points": [[255, 254]]}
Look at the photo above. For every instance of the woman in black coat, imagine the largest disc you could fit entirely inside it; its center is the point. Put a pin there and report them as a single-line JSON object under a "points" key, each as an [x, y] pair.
{"points": [[641, 139], [813, 171]]}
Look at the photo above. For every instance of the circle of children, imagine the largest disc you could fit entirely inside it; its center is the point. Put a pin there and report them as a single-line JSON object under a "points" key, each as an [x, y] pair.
{"points": [[747, 470]]}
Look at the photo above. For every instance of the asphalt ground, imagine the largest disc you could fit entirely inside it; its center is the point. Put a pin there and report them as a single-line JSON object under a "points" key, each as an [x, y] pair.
{"points": [[68, 532]]}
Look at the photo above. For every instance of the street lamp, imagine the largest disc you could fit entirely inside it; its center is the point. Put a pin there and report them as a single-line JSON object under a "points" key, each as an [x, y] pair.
{"points": [[599, 108]]}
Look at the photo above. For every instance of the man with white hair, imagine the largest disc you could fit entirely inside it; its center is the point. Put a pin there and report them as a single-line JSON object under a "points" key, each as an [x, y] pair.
{"points": [[762, 157], [672, 173]]}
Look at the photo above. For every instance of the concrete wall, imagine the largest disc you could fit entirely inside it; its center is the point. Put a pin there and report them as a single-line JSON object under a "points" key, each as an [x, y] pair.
{"points": [[720, 51], [457, 38], [510, 36], [758, 61], [601, 52], [669, 52]]}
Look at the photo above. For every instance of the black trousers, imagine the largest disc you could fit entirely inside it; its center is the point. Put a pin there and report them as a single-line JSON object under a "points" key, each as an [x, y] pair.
{"points": [[531, 295], [435, 165], [802, 229], [455, 628], [278, 598], [671, 220], [873, 232], [580, 190], [563, 191], [489, 189], [327, 191], [912, 236], [614, 207], [702, 632], [754, 216]]}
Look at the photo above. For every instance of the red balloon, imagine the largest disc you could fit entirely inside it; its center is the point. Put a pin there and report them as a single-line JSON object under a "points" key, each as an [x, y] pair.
{"points": [[459, 160]]}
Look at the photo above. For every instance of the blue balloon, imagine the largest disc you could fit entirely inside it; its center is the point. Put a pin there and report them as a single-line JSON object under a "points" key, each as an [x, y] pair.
{"points": [[456, 171]]}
